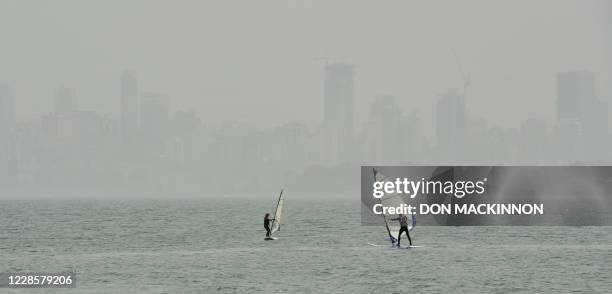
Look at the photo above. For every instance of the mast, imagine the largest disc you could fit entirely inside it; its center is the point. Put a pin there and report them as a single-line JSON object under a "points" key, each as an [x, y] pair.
{"points": [[384, 217]]}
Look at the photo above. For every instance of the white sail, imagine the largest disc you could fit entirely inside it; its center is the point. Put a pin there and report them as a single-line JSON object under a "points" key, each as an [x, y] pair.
{"points": [[278, 213], [392, 200]]}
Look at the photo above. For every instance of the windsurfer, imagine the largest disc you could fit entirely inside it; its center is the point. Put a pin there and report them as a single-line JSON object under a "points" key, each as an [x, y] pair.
{"points": [[267, 220], [403, 220]]}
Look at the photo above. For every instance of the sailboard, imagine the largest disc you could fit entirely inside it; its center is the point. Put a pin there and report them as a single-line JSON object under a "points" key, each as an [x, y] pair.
{"points": [[392, 200], [408, 246], [401, 247], [277, 216]]}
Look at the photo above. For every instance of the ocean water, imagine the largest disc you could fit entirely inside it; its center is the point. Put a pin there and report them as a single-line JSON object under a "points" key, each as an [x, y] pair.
{"points": [[217, 246]]}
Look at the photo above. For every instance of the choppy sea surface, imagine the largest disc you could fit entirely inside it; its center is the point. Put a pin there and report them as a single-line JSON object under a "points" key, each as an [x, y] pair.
{"points": [[217, 246]]}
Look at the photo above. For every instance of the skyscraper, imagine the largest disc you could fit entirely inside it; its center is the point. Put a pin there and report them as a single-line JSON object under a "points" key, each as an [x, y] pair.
{"points": [[7, 112], [578, 106], [155, 115], [451, 125], [129, 104], [339, 109], [533, 141], [576, 90], [64, 101], [8, 159], [384, 136]]}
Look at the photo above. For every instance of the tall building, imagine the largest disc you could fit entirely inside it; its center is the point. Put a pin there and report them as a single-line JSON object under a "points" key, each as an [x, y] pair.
{"points": [[64, 101], [533, 141], [575, 90], [451, 125], [383, 135], [8, 155], [154, 115], [581, 116], [7, 111], [595, 131], [129, 104], [569, 141], [339, 110]]}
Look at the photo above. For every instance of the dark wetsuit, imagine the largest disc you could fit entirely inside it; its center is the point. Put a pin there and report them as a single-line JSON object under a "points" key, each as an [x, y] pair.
{"points": [[404, 228], [267, 226], [399, 236]]}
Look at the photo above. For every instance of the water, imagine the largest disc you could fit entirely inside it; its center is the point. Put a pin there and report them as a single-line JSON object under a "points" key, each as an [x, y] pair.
{"points": [[206, 246]]}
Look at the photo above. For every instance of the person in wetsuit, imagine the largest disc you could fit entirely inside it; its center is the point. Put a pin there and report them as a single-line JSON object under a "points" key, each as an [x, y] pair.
{"points": [[403, 220], [267, 220]]}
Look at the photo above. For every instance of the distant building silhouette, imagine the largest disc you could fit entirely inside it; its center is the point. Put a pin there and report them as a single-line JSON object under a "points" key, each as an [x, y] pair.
{"points": [[70, 148], [451, 125], [64, 101], [533, 142], [575, 90], [129, 104], [154, 115], [7, 111], [8, 154], [384, 135], [582, 119], [569, 141], [339, 110]]}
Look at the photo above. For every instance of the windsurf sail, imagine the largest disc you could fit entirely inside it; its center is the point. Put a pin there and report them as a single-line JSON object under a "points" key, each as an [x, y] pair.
{"points": [[392, 200], [277, 215]]}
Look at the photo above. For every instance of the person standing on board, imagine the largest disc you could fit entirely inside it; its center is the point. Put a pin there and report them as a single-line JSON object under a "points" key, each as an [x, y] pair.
{"points": [[267, 220], [403, 220]]}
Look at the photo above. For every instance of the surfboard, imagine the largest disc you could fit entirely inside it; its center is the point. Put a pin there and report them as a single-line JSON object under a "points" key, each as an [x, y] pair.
{"points": [[393, 246], [408, 247], [269, 238]]}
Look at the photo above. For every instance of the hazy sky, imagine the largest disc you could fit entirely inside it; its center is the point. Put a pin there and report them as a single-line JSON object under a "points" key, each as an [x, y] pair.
{"points": [[258, 61]]}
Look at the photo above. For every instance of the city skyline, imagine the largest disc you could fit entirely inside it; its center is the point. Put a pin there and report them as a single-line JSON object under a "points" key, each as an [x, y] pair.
{"points": [[188, 96], [127, 113], [153, 148], [215, 64]]}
